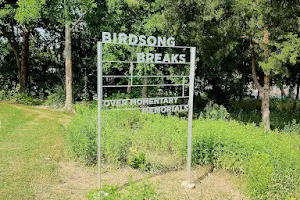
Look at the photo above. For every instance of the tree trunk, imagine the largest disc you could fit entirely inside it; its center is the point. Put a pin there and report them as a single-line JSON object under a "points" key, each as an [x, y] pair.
{"points": [[68, 67], [297, 92], [283, 95], [25, 61], [264, 91], [16, 53], [241, 96], [265, 103], [145, 88], [130, 81]]}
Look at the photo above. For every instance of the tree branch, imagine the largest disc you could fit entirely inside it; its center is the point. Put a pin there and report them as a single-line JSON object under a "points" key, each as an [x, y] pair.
{"points": [[255, 40], [78, 20]]}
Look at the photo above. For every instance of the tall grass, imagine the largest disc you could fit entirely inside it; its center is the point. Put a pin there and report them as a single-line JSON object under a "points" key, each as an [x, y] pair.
{"points": [[268, 162]]}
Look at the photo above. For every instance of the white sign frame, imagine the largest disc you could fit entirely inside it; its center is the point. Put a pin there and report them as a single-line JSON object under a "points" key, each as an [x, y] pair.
{"points": [[100, 86]]}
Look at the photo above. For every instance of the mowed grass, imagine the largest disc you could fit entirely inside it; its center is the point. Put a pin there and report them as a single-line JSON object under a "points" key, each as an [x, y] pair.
{"points": [[30, 149]]}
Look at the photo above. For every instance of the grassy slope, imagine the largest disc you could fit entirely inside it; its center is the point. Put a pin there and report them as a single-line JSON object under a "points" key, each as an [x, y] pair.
{"points": [[30, 146]]}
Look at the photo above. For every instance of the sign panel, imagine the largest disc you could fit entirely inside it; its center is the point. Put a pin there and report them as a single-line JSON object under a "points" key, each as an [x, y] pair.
{"points": [[148, 105]]}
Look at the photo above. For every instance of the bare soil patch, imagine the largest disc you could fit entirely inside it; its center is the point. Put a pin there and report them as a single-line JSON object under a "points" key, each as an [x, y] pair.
{"points": [[76, 180]]}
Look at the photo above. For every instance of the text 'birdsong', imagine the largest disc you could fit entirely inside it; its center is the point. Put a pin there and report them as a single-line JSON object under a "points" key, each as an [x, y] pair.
{"points": [[142, 40]]}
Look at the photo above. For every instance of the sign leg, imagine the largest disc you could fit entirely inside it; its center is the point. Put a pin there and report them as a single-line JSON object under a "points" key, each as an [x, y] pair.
{"points": [[188, 183], [100, 96]]}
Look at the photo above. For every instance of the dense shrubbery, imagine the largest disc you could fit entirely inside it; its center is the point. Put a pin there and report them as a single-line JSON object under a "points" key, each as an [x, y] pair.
{"points": [[270, 163], [123, 138], [249, 111], [254, 104], [214, 111], [57, 97], [14, 96], [292, 127]]}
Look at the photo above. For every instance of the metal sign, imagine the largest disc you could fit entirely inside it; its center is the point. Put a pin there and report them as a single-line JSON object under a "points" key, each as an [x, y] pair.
{"points": [[147, 105]]}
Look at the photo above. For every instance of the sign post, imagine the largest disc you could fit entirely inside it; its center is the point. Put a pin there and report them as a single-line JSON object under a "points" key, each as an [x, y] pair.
{"points": [[190, 116], [150, 105], [100, 97]]}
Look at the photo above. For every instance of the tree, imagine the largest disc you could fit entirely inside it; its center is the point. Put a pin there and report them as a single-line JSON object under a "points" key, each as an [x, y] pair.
{"points": [[221, 57], [70, 13], [15, 17], [136, 17], [74, 11], [219, 30], [266, 25]]}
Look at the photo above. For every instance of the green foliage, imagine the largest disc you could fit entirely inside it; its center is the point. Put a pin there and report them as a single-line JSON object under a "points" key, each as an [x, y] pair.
{"points": [[136, 159], [259, 175], [3, 95], [22, 98], [123, 132], [26, 99], [133, 94], [57, 97], [248, 111], [29, 10], [215, 112], [240, 148], [269, 162], [287, 52], [132, 191], [292, 127], [82, 142]]}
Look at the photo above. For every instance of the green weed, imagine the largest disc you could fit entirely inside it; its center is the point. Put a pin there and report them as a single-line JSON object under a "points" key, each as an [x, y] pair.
{"points": [[132, 191], [268, 162]]}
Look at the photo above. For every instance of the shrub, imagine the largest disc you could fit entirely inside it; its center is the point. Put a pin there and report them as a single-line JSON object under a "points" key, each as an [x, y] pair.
{"points": [[57, 97], [3, 95], [248, 111], [269, 163], [292, 127], [26, 99], [136, 159], [215, 111], [122, 134], [22, 98]]}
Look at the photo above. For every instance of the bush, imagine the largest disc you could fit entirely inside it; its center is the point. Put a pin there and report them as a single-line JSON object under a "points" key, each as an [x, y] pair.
{"points": [[292, 127], [22, 98], [249, 111], [278, 119], [269, 163], [26, 99], [136, 160], [3, 95], [57, 97], [215, 111], [123, 137]]}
